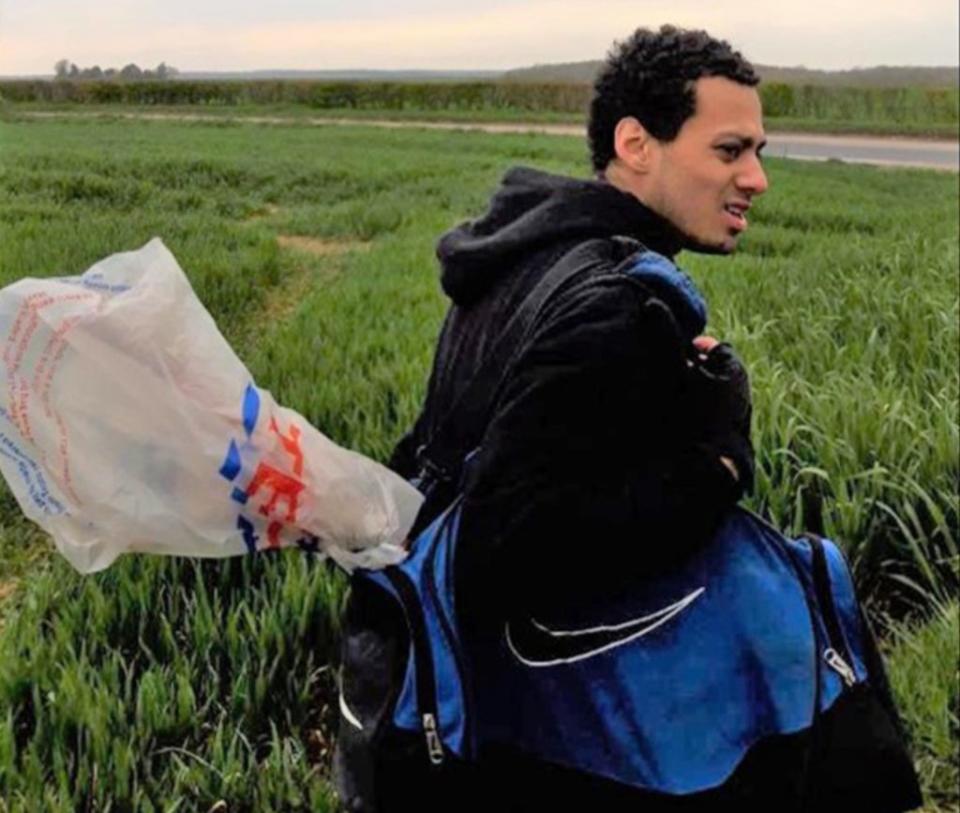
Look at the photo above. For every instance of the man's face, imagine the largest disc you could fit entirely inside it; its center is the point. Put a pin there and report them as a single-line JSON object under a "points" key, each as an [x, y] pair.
{"points": [[704, 180]]}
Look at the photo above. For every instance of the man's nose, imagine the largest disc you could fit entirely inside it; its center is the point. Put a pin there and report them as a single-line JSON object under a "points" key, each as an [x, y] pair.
{"points": [[753, 179]]}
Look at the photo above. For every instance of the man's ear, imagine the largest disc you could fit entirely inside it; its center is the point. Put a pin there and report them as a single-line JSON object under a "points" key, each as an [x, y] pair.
{"points": [[633, 145]]}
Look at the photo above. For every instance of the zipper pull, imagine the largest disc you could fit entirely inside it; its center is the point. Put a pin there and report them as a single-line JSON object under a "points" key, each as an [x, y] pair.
{"points": [[434, 745], [840, 666]]}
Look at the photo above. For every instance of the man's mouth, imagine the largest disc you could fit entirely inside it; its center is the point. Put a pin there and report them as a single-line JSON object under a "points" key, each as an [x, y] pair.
{"points": [[736, 215]]}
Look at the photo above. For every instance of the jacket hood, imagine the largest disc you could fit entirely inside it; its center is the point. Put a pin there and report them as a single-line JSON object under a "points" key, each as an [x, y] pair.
{"points": [[534, 209]]}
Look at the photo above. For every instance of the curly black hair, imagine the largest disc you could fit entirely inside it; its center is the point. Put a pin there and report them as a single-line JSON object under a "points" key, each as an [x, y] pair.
{"points": [[650, 76]]}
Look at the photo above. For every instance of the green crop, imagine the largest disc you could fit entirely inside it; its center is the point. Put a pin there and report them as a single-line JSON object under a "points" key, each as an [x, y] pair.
{"points": [[176, 685]]}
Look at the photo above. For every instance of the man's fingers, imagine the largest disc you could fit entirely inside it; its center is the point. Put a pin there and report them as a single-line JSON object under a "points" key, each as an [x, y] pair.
{"points": [[703, 345]]}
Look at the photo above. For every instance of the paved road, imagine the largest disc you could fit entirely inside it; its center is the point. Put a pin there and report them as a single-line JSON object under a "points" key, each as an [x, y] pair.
{"points": [[908, 152], [857, 149]]}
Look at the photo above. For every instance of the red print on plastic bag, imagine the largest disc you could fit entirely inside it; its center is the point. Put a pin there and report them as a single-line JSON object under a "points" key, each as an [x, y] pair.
{"points": [[275, 487]]}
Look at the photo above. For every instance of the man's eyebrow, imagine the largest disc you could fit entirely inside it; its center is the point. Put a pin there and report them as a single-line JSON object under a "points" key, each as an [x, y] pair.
{"points": [[745, 141]]}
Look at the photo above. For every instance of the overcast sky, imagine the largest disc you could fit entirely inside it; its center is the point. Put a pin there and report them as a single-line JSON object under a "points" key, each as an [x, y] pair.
{"points": [[439, 34]]}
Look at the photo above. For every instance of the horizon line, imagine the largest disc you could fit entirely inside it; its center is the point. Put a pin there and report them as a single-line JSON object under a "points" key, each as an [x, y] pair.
{"points": [[183, 71]]}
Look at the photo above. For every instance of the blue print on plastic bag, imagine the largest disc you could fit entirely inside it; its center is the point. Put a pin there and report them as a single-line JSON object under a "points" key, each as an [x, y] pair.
{"points": [[30, 473]]}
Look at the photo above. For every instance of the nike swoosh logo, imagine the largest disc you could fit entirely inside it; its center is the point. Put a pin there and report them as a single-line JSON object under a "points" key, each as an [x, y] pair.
{"points": [[348, 715], [536, 645]]}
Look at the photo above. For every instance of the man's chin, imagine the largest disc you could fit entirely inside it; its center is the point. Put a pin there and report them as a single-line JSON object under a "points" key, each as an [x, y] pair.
{"points": [[726, 245]]}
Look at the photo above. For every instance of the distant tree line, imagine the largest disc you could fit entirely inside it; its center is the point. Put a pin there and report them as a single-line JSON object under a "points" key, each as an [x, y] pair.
{"points": [[928, 110], [882, 76], [64, 69]]}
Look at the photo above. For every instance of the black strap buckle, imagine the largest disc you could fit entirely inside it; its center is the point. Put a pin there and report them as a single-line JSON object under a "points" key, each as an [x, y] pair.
{"points": [[430, 472]]}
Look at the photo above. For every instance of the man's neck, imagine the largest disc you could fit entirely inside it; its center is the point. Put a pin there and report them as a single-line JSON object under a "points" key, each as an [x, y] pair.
{"points": [[623, 180], [621, 177]]}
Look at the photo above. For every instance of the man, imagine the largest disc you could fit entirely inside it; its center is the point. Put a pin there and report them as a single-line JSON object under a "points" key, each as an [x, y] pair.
{"points": [[620, 435]]}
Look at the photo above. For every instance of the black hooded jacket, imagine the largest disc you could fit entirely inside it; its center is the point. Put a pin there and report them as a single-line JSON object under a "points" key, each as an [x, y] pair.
{"points": [[601, 462]]}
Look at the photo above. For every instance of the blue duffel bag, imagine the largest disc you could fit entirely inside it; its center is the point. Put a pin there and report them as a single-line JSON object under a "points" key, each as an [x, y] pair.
{"points": [[665, 688]]}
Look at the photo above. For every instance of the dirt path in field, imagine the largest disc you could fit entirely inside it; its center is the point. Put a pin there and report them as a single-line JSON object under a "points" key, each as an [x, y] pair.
{"points": [[876, 150], [7, 589], [281, 302], [487, 127], [318, 247]]}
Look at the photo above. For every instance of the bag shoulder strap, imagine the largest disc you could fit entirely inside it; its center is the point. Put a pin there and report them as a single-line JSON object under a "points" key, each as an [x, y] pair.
{"points": [[461, 429]]}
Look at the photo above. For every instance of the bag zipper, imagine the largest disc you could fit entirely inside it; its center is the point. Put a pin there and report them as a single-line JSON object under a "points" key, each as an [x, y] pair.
{"points": [[431, 587], [426, 687], [836, 655], [836, 662]]}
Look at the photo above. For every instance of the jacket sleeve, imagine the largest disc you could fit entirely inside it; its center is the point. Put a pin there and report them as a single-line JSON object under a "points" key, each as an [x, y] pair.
{"points": [[403, 460], [594, 471]]}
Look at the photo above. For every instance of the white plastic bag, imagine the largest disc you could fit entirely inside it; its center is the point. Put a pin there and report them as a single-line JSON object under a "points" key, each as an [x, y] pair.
{"points": [[127, 423]]}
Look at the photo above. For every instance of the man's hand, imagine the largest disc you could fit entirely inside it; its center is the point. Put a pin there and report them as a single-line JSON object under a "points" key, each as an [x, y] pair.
{"points": [[721, 390], [720, 385]]}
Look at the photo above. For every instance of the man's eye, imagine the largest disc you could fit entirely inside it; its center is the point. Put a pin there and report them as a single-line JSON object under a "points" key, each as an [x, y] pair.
{"points": [[730, 150]]}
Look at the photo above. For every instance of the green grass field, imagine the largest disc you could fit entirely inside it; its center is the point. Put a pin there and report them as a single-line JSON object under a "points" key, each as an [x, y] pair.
{"points": [[165, 685]]}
